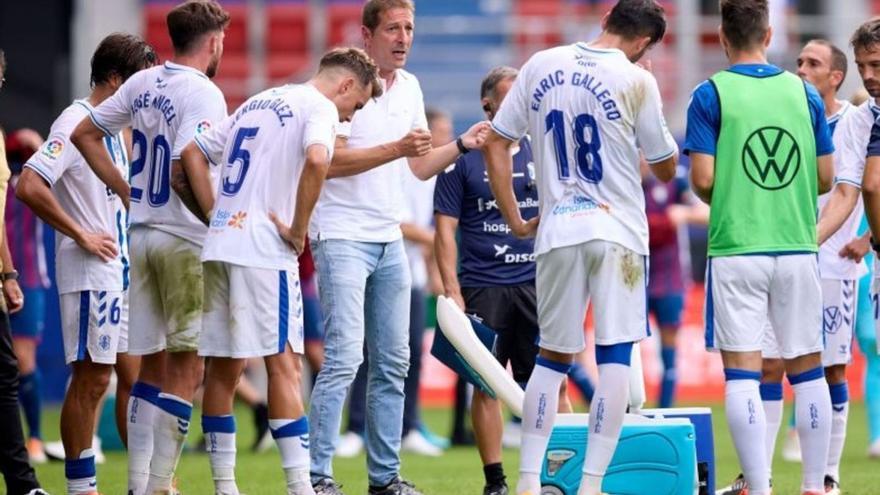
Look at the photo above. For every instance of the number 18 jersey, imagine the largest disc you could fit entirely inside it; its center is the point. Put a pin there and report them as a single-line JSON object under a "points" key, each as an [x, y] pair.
{"points": [[588, 111], [166, 106], [261, 149]]}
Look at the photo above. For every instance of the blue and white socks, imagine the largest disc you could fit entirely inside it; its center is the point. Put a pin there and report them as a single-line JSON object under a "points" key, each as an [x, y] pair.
{"points": [[292, 437], [748, 426], [839, 413], [667, 385], [812, 404], [220, 445], [539, 414], [607, 412], [81, 474], [141, 413], [771, 397], [171, 425]]}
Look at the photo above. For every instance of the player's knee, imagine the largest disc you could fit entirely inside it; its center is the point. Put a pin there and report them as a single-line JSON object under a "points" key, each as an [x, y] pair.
{"points": [[90, 380], [835, 374], [772, 371]]}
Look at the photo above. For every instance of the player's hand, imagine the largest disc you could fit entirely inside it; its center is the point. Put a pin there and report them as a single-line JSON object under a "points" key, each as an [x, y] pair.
{"points": [[99, 244], [856, 249], [476, 136], [13, 295], [526, 230], [456, 298], [296, 240], [416, 143]]}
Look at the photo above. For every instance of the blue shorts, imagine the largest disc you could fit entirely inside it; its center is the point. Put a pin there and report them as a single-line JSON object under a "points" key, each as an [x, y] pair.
{"points": [[31, 320], [667, 309]]}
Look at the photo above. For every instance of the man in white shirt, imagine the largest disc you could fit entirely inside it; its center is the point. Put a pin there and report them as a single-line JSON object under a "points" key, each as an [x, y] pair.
{"points": [[91, 252], [590, 111], [364, 277], [166, 106], [275, 151]]}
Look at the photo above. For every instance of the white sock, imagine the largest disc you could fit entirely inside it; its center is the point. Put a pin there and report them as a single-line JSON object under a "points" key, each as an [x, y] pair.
{"points": [[839, 413], [81, 474], [539, 414], [169, 434], [812, 405], [771, 397], [748, 427], [220, 445], [292, 437], [607, 411], [141, 412]]}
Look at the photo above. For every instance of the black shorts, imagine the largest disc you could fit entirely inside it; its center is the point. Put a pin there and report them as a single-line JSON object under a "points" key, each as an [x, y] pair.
{"points": [[513, 313]]}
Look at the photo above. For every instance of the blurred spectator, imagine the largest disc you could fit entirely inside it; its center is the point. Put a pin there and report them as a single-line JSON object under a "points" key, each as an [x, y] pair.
{"points": [[24, 232]]}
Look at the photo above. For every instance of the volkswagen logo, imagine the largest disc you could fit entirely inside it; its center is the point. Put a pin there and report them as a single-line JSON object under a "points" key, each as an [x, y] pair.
{"points": [[771, 158]]}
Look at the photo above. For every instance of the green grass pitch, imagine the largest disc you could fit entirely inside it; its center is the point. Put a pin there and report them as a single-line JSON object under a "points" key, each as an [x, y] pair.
{"points": [[457, 472]]}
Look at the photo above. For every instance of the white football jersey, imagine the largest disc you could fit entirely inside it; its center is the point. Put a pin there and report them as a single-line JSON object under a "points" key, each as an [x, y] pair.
{"points": [[166, 106], [851, 127], [588, 111], [89, 203], [261, 149]]}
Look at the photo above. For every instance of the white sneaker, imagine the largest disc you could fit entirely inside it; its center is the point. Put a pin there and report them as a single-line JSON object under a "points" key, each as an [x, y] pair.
{"points": [[512, 435], [350, 445], [416, 443], [791, 446], [55, 450], [874, 449]]}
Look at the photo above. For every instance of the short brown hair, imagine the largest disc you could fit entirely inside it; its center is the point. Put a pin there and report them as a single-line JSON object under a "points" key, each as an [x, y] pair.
{"points": [[374, 8], [189, 21], [358, 63], [122, 55], [494, 78], [839, 61], [744, 22], [635, 18], [867, 36]]}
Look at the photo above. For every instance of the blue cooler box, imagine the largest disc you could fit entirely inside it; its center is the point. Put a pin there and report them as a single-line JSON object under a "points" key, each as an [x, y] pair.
{"points": [[653, 457], [701, 417]]}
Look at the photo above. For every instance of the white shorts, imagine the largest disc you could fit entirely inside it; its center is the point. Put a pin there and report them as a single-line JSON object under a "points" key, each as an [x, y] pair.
{"points": [[166, 291], [91, 324], [123, 326], [839, 309], [747, 296], [250, 312], [614, 277]]}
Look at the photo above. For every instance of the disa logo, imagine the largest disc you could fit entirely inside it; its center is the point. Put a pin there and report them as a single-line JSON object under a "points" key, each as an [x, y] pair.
{"points": [[203, 127], [53, 148]]}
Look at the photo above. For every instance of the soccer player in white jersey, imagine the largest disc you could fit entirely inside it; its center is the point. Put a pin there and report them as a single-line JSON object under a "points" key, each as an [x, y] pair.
{"points": [[166, 106], [274, 152], [91, 251], [590, 111]]}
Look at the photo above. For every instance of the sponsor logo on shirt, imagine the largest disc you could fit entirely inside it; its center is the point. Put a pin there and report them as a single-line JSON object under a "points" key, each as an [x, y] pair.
{"points": [[53, 149], [496, 228], [237, 220], [833, 319], [492, 204], [580, 205], [226, 218], [502, 251], [203, 127]]}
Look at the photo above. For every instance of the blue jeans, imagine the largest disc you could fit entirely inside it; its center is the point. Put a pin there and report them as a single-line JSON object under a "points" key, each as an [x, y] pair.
{"points": [[365, 291]]}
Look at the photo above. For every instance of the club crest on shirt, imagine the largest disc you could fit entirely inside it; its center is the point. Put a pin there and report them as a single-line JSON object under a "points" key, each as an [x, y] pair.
{"points": [[53, 148]]}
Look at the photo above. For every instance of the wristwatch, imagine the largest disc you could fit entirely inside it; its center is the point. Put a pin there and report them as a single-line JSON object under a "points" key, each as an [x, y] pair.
{"points": [[13, 275], [462, 149]]}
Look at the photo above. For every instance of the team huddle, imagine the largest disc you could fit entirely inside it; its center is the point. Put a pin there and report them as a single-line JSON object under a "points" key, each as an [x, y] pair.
{"points": [[185, 253]]}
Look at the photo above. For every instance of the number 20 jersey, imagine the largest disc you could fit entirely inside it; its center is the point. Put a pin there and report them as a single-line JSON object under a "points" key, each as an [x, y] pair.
{"points": [[589, 111], [166, 106]]}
